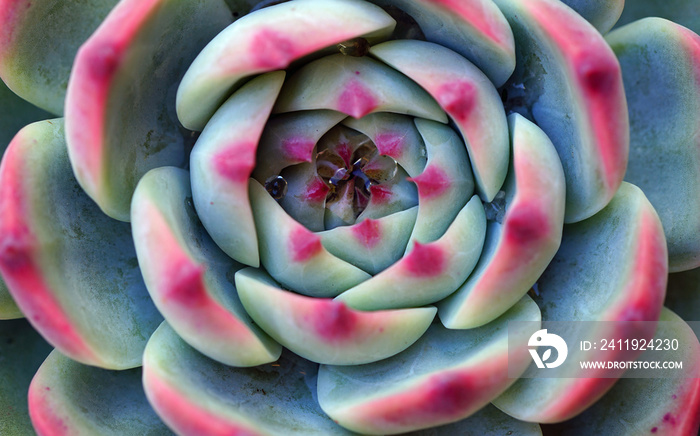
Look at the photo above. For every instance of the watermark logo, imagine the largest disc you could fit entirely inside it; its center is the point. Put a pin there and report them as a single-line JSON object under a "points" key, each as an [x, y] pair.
{"points": [[543, 339]]}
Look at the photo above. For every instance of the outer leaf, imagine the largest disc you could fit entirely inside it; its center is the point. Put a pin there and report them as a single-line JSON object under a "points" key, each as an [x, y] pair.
{"points": [[198, 396], [473, 28], [444, 377], [38, 41], [518, 251], [568, 81], [661, 69], [67, 398], [661, 406], [120, 106], [189, 278], [15, 113], [610, 267], [22, 350], [71, 269], [270, 40]]}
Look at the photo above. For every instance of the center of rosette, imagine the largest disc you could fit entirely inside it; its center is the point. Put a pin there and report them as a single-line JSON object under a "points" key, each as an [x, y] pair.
{"points": [[349, 165]]}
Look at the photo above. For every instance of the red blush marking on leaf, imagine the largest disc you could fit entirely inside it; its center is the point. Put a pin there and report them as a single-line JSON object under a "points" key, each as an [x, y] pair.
{"points": [[303, 244], [425, 260], [389, 144], [236, 162], [42, 411], [526, 225], [432, 182], [184, 283], [298, 149], [18, 263], [316, 191], [271, 50], [451, 393], [368, 232], [186, 416], [333, 320], [356, 100], [379, 194], [458, 98]]}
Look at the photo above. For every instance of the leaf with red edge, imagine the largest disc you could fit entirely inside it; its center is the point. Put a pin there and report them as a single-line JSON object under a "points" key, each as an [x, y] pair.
{"points": [[649, 406], [188, 277], [660, 63], [568, 82], [197, 396], [610, 267], [447, 375], [120, 104], [71, 269], [68, 398], [518, 250]]}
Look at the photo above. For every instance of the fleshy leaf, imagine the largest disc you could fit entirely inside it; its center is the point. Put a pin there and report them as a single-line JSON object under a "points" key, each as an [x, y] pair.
{"points": [[444, 186], [355, 86], [568, 82], [327, 331], [293, 255], [429, 272], [372, 244], [517, 251], [269, 40], [653, 406], [15, 113], [476, 29], [221, 162], [197, 396], [602, 14], [120, 104], [610, 267], [189, 278], [22, 350], [38, 42], [66, 397], [71, 269], [445, 376], [660, 64], [467, 96]]}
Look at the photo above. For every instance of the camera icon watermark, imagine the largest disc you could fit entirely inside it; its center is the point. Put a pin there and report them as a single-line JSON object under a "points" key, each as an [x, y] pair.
{"points": [[551, 341]]}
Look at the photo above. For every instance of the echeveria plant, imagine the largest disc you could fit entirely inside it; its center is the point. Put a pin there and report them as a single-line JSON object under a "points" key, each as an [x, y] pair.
{"points": [[303, 217]]}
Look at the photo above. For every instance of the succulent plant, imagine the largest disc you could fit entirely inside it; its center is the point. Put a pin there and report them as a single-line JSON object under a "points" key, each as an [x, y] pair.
{"points": [[250, 217]]}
